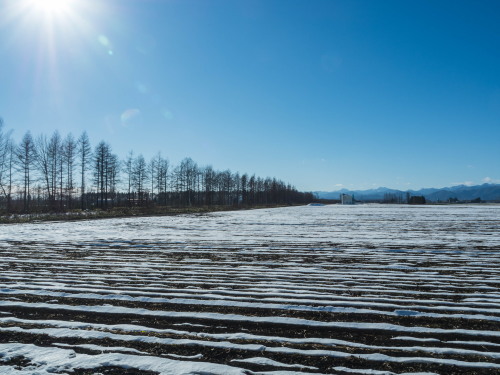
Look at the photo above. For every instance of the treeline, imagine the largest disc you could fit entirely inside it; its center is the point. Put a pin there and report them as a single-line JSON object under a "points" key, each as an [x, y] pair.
{"points": [[57, 174], [400, 198]]}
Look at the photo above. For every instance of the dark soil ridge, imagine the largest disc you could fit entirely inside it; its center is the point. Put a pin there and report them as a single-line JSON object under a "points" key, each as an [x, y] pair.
{"points": [[391, 347], [322, 301], [225, 356], [321, 316], [425, 292], [363, 336]]}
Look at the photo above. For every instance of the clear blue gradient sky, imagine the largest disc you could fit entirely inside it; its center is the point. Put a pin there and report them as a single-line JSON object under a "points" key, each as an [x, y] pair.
{"points": [[323, 94]]}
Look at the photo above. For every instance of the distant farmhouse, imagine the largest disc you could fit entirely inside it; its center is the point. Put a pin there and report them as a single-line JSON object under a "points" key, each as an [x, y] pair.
{"points": [[346, 199]]}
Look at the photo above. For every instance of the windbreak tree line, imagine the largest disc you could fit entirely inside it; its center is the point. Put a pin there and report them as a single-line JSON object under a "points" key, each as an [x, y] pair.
{"points": [[56, 174]]}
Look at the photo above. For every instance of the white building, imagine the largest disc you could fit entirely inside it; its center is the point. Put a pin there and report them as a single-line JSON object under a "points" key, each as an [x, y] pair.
{"points": [[346, 199]]}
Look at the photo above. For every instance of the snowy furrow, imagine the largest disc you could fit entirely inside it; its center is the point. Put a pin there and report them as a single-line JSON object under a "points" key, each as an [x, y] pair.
{"points": [[267, 294], [373, 289], [352, 281], [85, 334], [239, 304], [381, 278], [127, 293], [110, 309], [50, 360], [81, 330]]}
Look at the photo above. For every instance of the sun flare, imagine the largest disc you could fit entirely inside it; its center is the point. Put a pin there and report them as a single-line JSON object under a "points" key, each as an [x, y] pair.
{"points": [[52, 6]]}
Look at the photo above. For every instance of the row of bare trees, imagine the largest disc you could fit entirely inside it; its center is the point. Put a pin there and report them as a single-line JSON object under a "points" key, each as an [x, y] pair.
{"points": [[48, 174]]}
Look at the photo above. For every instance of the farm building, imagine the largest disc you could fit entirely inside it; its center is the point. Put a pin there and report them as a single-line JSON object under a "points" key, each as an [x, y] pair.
{"points": [[346, 199]]}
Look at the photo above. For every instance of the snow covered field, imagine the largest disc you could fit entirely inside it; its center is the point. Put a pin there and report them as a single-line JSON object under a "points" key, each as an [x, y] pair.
{"points": [[369, 289]]}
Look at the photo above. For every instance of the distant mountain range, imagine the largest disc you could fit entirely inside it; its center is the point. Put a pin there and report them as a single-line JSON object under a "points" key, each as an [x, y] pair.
{"points": [[487, 192]]}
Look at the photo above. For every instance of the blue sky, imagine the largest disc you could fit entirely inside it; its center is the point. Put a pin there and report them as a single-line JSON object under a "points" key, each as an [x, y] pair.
{"points": [[323, 94]]}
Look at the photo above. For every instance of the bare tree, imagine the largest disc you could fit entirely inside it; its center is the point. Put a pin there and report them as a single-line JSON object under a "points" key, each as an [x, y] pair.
{"points": [[252, 189], [113, 172], [152, 170], [5, 160], [101, 158], [11, 153], [106, 169], [244, 187], [209, 180], [140, 177], [55, 166], [128, 168], [188, 170], [84, 151], [26, 154], [44, 164], [69, 148], [49, 163], [161, 178]]}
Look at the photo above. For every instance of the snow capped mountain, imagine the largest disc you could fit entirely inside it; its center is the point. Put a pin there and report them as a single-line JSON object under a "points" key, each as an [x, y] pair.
{"points": [[487, 192]]}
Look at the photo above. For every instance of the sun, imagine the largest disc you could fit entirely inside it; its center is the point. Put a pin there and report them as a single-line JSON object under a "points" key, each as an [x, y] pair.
{"points": [[52, 7]]}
